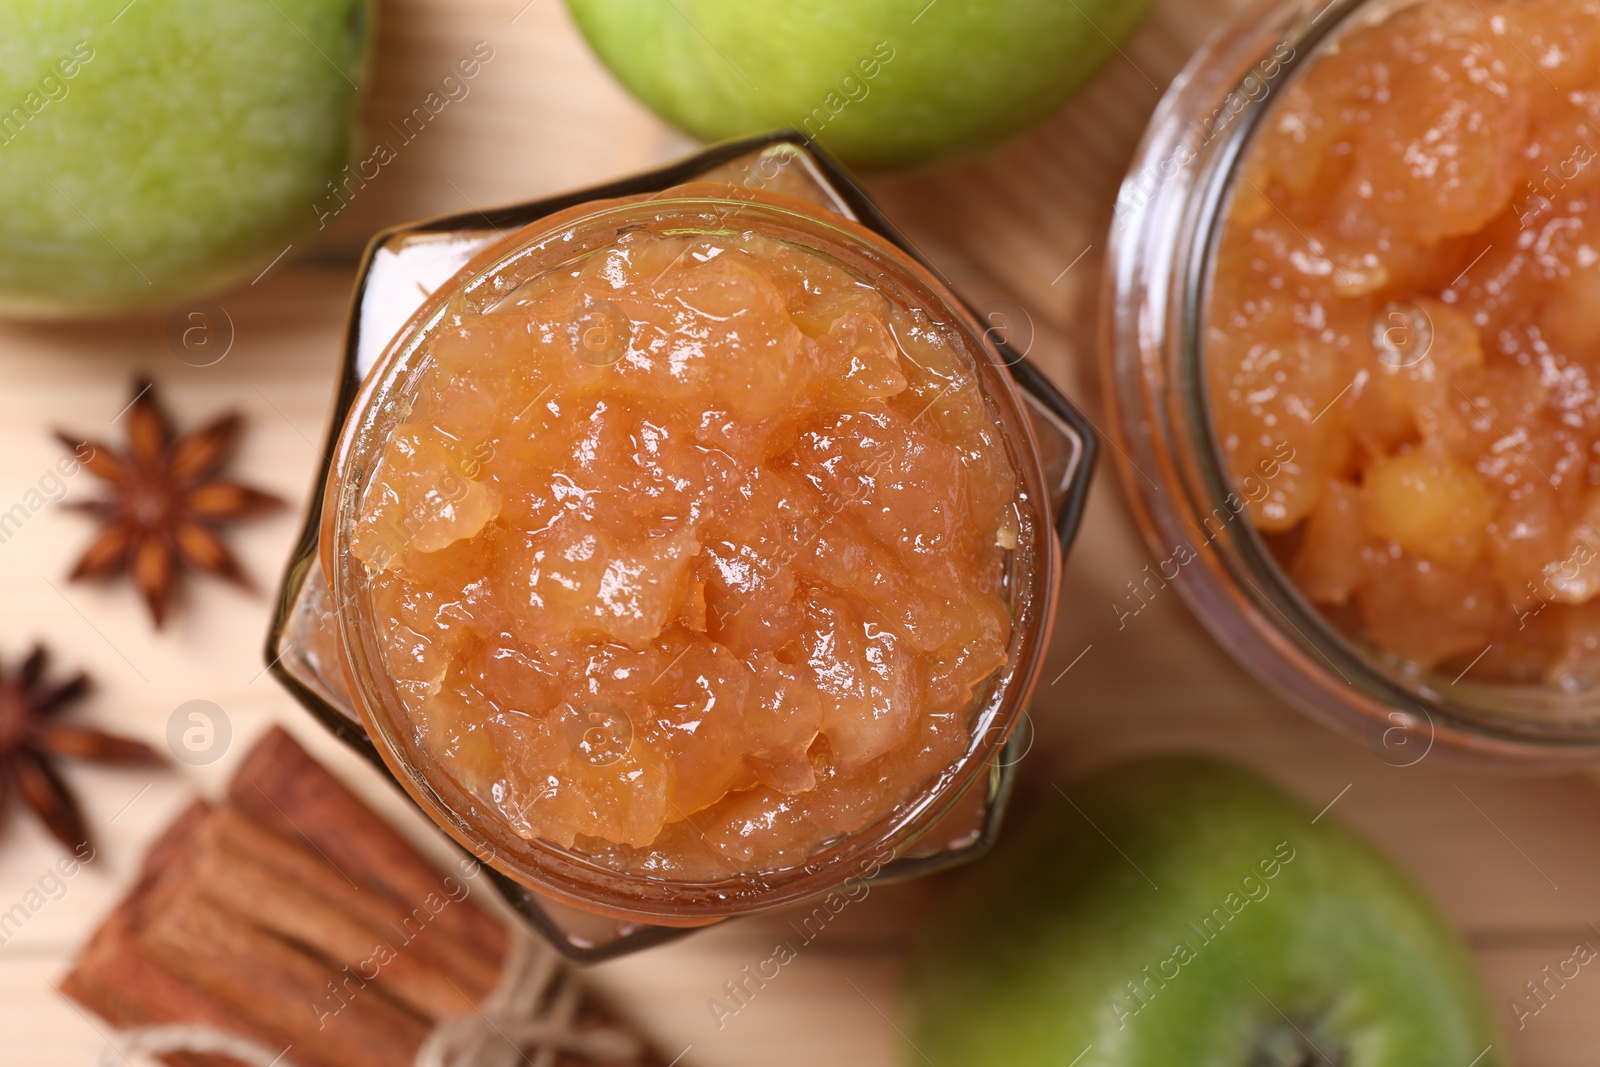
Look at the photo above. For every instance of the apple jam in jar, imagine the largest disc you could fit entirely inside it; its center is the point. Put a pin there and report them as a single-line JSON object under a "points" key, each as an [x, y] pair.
{"points": [[1353, 362], [695, 551], [1405, 299]]}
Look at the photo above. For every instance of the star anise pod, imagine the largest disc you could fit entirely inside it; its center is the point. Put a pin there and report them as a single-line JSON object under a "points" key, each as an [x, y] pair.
{"points": [[166, 504], [31, 736]]}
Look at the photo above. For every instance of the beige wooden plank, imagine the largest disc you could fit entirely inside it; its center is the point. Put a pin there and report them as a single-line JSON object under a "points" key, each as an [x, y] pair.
{"points": [[824, 1006], [41, 1027], [1558, 1029], [540, 117]]}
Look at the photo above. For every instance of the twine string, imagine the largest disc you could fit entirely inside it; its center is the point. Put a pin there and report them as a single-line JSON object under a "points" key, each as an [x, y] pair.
{"points": [[533, 1009], [187, 1037]]}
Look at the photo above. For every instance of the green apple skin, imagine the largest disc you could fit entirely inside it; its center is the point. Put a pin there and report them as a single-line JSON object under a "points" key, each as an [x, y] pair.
{"points": [[184, 154], [963, 73], [1022, 962]]}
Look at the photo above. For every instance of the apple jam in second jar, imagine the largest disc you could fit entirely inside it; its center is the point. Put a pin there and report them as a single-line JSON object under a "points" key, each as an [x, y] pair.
{"points": [[1403, 344], [689, 557]]}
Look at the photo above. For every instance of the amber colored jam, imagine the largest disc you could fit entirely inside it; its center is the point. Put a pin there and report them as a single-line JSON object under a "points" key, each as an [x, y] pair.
{"points": [[690, 557], [1406, 300]]}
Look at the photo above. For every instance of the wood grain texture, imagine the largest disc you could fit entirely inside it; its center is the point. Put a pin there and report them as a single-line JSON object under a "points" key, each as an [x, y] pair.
{"points": [[1512, 860]]}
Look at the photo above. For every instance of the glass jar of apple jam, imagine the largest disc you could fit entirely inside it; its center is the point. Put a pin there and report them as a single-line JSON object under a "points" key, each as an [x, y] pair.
{"points": [[688, 551], [1351, 357]]}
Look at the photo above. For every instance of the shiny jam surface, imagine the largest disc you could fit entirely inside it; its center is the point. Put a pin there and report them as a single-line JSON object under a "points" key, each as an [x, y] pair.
{"points": [[1403, 339], [690, 557]]}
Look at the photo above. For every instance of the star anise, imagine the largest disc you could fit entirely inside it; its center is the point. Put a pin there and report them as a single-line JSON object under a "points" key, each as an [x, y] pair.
{"points": [[166, 503], [31, 736]]}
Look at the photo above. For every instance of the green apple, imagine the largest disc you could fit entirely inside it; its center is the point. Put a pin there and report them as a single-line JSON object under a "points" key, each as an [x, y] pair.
{"points": [[157, 149], [1181, 911], [878, 82]]}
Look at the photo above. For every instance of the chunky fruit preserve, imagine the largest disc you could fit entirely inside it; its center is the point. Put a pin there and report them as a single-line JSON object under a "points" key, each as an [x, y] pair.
{"points": [[1407, 297], [690, 556]]}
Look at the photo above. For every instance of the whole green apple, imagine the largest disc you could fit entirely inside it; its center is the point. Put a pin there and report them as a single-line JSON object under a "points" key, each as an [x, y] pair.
{"points": [[159, 149], [878, 82], [1180, 911]]}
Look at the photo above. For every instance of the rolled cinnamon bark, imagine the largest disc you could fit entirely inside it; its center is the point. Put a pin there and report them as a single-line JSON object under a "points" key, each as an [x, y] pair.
{"points": [[291, 915], [281, 787], [289, 891]]}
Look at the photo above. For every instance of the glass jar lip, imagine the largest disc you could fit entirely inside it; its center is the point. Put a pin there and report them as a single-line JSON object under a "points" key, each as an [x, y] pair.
{"points": [[1167, 224], [563, 875]]}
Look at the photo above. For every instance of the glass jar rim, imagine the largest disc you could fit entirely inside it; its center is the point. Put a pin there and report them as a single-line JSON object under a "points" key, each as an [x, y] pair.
{"points": [[546, 245]]}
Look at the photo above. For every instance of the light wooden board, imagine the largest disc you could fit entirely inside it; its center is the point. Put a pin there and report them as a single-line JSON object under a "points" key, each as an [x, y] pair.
{"points": [[1512, 860]]}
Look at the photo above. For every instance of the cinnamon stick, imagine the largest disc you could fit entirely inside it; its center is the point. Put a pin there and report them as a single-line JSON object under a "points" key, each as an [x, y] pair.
{"points": [[118, 982], [281, 787], [293, 916], [286, 997], [323, 915], [418, 928]]}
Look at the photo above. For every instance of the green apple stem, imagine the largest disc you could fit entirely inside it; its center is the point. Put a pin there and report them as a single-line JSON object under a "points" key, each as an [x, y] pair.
{"points": [[1288, 1044]]}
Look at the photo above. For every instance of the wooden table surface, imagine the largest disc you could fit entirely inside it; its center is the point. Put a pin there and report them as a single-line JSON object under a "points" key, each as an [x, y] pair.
{"points": [[1511, 859]]}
